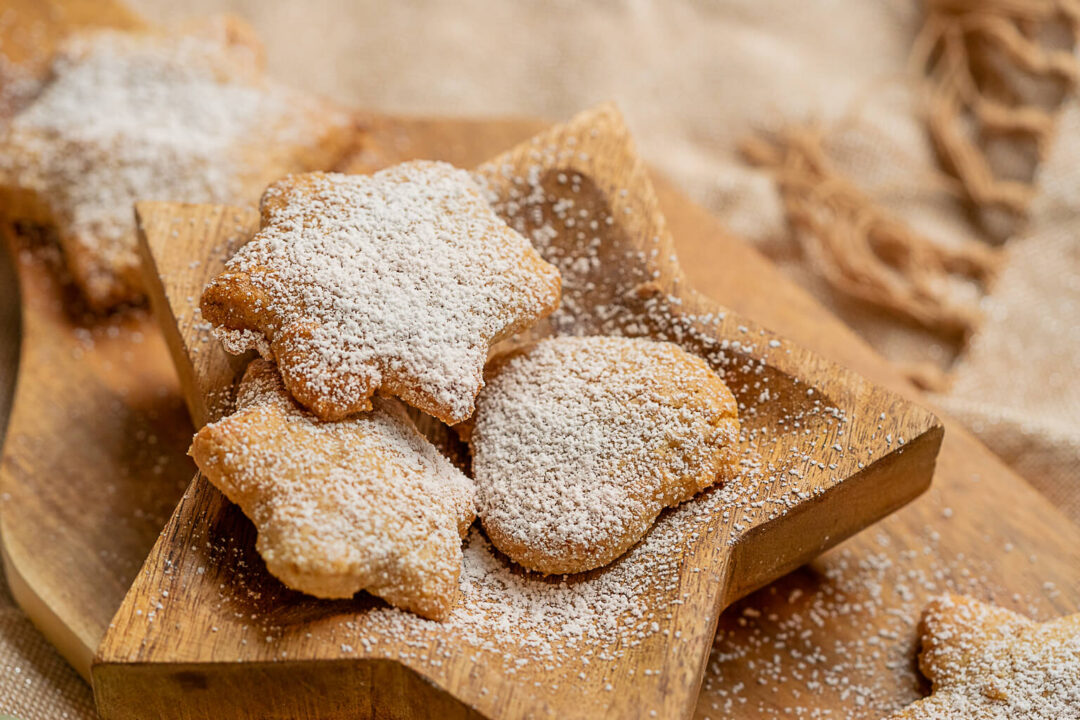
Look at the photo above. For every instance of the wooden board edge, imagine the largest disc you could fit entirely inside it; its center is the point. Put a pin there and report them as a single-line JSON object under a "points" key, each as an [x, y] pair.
{"points": [[71, 646], [168, 323], [157, 213], [9, 273], [336, 689], [803, 528], [72, 620]]}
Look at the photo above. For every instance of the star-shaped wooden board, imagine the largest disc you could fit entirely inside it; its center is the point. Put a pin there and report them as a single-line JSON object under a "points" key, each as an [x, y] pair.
{"points": [[206, 631]]}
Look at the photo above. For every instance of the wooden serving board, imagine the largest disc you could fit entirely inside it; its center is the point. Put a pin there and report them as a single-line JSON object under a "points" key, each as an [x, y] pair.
{"points": [[84, 489], [205, 630], [93, 460]]}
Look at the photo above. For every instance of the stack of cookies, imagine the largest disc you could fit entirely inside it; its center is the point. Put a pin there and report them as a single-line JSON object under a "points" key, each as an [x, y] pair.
{"points": [[371, 299], [364, 294]]}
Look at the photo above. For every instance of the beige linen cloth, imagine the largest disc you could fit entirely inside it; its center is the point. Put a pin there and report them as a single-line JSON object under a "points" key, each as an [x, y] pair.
{"points": [[695, 80]]}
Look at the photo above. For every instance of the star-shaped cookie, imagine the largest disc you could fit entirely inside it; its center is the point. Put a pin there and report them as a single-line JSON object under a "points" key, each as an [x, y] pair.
{"points": [[144, 115], [363, 504], [397, 282], [578, 443], [987, 663]]}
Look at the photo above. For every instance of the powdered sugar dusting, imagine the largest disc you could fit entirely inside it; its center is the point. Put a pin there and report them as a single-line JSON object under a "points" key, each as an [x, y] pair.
{"points": [[517, 620], [987, 663], [399, 281], [604, 614], [624, 630]]}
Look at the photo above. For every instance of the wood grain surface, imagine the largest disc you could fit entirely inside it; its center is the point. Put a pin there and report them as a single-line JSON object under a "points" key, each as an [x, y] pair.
{"points": [[54, 505], [826, 479], [93, 459], [979, 529]]}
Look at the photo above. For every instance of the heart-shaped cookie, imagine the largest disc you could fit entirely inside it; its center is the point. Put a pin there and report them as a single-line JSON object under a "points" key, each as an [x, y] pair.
{"points": [[580, 442]]}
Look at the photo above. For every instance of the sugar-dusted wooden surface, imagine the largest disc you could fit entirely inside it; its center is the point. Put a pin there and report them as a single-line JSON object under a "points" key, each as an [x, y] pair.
{"points": [[837, 638], [202, 594]]}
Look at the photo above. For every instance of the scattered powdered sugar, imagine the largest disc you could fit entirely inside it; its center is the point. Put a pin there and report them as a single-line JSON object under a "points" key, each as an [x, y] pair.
{"points": [[129, 117], [401, 280], [518, 619], [837, 639], [579, 442], [789, 435]]}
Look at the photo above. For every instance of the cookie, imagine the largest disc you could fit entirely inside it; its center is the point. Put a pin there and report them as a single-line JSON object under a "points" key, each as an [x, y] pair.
{"points": [[987, 663], [129, 116], [362, 504], [578, 443], [30, 32], [397, 282]]}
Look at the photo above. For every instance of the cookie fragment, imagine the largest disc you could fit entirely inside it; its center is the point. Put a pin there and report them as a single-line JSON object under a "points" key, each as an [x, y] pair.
{"points": [[128, 116], [580, 442], [397, 282], [363, 504], [987, 663]]}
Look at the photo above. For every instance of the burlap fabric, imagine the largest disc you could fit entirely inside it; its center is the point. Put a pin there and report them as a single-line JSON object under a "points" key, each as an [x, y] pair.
{"points": [[805, 126], [1016, 385]]}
